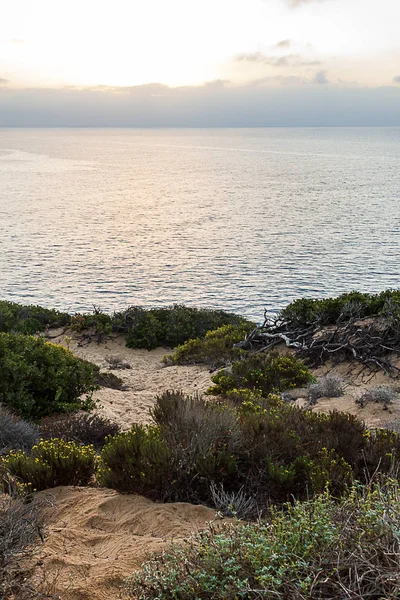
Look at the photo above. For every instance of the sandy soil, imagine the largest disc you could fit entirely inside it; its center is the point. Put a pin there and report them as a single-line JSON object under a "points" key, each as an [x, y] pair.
{"points": [[146, 378], [97, 538]]}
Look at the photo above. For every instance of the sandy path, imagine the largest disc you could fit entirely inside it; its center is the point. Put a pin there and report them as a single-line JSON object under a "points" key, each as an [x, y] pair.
{"points": [[146, 378]]}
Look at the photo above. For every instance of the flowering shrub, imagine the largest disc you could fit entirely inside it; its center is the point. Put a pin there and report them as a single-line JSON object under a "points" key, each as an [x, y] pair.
{"points": [[215, 349], [49, 464]]}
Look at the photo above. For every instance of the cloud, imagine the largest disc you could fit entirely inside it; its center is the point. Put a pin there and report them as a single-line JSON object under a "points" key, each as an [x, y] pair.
{"points": [[289, 60], [297, 3], [283, 44], [396, 79], [3, 81], [320, 78], [279, 102], [17, 41]]}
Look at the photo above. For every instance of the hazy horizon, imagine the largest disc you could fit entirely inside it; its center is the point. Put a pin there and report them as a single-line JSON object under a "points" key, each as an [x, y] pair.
{"points": [[258, 63]]}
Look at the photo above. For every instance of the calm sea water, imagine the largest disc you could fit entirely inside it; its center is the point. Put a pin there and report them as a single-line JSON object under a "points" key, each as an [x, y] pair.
{"points": [[240, 219]]}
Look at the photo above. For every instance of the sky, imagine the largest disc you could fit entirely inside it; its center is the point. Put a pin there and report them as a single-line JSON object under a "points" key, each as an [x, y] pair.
{"points": [[191, 63]]}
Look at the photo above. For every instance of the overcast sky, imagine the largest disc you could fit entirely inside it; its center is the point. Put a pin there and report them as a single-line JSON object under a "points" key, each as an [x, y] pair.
{"points": [[210, 63]]}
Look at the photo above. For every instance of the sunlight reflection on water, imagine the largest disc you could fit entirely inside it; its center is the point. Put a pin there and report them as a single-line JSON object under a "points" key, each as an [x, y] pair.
{"points": [[237, 219]]}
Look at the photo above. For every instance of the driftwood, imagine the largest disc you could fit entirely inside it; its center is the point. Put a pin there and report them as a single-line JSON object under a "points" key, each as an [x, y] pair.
{"points": [[373, 341]]}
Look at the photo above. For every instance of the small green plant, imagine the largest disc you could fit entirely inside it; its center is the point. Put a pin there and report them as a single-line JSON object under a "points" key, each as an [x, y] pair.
{"points": [[330, 386], [109, 380], [38, 378], [262, 373], [381, 394], [99, 322], [216, 348], [50, 463]]}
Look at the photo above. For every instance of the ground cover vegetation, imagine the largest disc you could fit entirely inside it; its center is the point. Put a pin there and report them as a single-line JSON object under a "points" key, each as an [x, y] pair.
{"points": [[144, 328], [312, 550], [17, 318]]}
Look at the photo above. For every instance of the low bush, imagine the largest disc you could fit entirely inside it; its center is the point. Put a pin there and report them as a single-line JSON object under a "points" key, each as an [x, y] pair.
{"points": [[329, 386], [116, 362], [170, 326], [329, 311], [262, 373], [16, 434], [137, 461], [50, 463], [38, 378], [17, 318], [109, 380], [263, 449], [99, 322], [310, 550], [83, 428], [216, 348], [21, 527], [382, 394]]}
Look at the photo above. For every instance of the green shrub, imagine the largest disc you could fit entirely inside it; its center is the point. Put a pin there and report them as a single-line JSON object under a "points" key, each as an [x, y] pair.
{"points": [[263, 373], [262, 448], [215, 349], [17, 318], [38, 378], [204, 439], [83, 428], [50, 463], [306, 311], [16, 434], [170, 326], [137, 461], [310, 550], [98, 321]]}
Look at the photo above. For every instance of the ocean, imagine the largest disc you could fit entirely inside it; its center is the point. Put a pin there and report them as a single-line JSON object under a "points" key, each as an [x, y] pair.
{"points": [[240, 219]]}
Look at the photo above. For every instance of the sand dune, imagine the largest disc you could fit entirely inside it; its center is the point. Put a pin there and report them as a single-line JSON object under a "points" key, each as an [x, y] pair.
{"points": [[98, 537]]}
